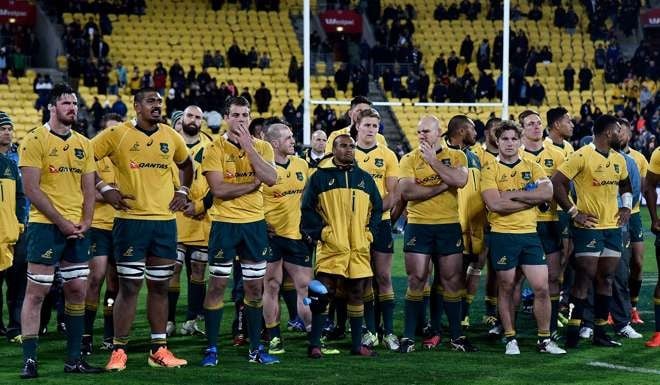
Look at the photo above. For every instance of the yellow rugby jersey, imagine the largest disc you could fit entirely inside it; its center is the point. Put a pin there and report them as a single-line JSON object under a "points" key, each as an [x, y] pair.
{"points": [[566, 147], [643, 167], [229, 159], [12, 207], [142, 162], [471, 208], [282, 200], [596, 178], [549, 158], [63, 162], [484, 155], [654, 164], [442, 208], [104, 213], [381, 163], [195, 232], [380, 139], [512, 177]]}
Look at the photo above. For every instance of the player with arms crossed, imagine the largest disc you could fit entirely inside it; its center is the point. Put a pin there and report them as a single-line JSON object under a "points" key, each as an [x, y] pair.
{"points": [[512, 188]]}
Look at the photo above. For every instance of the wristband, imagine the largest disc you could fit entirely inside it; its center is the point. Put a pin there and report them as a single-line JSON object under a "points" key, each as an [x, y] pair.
{"points": [[182, 191], [99, 184], [106, 188], [573, 211], [626, 200]]}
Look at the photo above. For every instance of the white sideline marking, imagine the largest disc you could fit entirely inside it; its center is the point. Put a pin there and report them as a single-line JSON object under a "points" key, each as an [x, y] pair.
{"points": [[624, 368]]}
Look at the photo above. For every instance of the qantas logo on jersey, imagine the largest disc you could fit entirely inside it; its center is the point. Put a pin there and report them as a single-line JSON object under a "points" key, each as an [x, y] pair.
{"points": [[136, 166], [56, 170], [281, 194], [229, 175], [596, 182], [428, 179]]}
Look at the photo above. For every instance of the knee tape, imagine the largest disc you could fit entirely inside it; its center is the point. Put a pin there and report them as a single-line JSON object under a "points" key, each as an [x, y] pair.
{"points": [[221, 270], [70, 273], [180, 254], [41, 279], [200, 256], [130, 270], [252, 272], [160, 273]]}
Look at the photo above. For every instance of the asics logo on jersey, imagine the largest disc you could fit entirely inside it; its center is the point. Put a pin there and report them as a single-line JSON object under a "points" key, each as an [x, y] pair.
{"points": [[458, 243], [331, 182], [66, 147]]}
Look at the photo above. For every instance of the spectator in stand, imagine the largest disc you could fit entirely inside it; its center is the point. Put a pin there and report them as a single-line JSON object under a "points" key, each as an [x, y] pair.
{"points": [[452, 63], [440, 66], [293, 69], [289, 111], [252, 58], [613, 51], [467, 47], [233, 54], [645, 97], [571, 20], [440, 92], [584, 76], [535, 14], [191, 76], [452, 12], [176, 72], [424, 84], [585, 109], [342, 77], [599, 57], [537, 93], [262, 98], [483, 55], [218, 59], [328, 91], [122, 74], [119, 107], [569, 77], [498, 47], [160, 78], [246, 94], [559, 20], [485, 86], [545, 55], [207, 59], [147, 80], [473, 9], [440, 12], [264, 60], [100, 49], [532, 61]]}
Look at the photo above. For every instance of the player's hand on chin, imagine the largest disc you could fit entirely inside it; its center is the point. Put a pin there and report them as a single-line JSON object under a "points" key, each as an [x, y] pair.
{"points": [[179, 202]]}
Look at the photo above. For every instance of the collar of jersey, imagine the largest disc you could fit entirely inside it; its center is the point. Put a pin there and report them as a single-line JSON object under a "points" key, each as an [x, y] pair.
{"points": [[367, 150], [284, 165], [510, 165], [63, 137]]}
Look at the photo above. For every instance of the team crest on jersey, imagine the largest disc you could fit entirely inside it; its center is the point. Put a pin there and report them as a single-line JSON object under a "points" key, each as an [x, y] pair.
{"points": [[549, 163], [616, 168], [526, 175], [299, 176], [164, 148], [378, 162], [79, 153]]}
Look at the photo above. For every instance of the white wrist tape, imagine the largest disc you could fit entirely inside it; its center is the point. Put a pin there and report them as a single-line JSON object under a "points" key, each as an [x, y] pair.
{"points": [[106, 188], [626, 200]]}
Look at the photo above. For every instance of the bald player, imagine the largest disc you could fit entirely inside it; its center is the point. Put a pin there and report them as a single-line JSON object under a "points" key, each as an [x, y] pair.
{"points": [[282, 211], [430, 178]]}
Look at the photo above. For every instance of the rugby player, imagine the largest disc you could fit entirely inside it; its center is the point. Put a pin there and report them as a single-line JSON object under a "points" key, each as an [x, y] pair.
{"points": [[358, 104], [599, 174], [651, 196]]}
